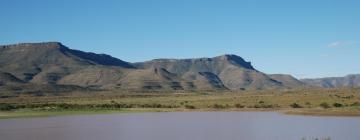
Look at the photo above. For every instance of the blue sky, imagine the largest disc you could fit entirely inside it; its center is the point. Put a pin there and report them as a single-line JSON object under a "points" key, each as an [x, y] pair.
{"points": [[305, 38]]}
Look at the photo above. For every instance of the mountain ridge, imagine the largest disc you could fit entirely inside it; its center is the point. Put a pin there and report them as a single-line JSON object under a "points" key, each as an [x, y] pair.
{"points": [[52, 63], [351, 80]]}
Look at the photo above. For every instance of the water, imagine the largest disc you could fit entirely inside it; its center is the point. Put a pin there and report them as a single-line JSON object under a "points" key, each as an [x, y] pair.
{"points": [[182, 126]]}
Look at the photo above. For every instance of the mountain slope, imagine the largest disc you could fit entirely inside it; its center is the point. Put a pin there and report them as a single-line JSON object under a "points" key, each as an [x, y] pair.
{"points": [[334, 82], [8, 78], [287, 80]]}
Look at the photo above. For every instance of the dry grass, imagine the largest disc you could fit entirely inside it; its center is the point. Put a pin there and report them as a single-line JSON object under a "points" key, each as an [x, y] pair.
{"points": [[310, 101]]}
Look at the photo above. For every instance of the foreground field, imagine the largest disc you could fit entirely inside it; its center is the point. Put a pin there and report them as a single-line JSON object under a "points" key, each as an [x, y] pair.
{"points": [[335, 102]]}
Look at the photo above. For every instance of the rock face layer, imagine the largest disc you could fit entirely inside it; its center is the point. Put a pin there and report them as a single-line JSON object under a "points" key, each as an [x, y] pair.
{"points": [[52, 63]]}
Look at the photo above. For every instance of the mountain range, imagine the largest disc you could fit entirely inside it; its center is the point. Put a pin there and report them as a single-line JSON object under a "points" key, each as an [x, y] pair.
{"points": [[51, 65], [352, 81]]}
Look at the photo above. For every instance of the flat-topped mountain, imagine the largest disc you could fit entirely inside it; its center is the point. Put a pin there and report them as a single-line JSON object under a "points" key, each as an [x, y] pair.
{"points": [[233, 71], [51, 63]]}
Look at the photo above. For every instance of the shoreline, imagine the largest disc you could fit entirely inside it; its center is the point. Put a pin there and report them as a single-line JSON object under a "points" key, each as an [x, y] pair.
{"points": [[299, 112]]}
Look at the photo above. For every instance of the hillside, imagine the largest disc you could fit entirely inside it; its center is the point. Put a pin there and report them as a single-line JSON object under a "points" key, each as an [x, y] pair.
{"points": [[7, 78], [288, 80]]}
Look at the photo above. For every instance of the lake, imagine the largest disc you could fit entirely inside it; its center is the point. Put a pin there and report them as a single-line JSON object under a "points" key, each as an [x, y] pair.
{"points": [[182, 126]]}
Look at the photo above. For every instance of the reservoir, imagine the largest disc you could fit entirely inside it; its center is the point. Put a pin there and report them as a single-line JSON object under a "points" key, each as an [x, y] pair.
{"points": [[182, 126]]}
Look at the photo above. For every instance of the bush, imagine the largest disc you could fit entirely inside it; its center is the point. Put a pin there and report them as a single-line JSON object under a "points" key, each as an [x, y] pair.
{"points": [[217, 106], [7, 107], [190, 107], [356, 104], [325, 105], [239, 106], [295, 105], [263, 106], [338, 105], [257, 106]]}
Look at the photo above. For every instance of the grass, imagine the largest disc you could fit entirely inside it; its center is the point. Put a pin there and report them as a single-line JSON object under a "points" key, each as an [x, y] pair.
{"points": [[337, 102]]}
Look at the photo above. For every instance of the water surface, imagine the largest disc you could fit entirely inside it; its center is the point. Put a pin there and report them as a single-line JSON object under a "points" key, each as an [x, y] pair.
{"points": [[181, 126]]}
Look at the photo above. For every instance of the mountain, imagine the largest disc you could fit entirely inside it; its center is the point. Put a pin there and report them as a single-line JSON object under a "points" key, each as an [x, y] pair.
{"points": [[335, 82], [47, 63], [51, 65], [230, 70]]}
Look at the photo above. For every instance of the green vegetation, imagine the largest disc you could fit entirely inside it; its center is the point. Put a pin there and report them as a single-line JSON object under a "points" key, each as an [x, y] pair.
{"points": [[7, 107], [338, 105], [190, 107], [306, 102]]}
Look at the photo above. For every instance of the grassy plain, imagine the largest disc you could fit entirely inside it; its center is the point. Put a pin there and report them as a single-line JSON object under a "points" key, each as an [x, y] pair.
{"points": [[333, 102]]}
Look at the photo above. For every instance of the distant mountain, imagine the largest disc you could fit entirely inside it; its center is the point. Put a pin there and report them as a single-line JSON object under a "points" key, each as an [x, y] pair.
{"points": [[334, 82], [53, 66]]}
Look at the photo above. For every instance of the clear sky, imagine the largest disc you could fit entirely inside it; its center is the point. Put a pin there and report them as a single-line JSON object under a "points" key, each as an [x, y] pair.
{"points": [[305, 38]]}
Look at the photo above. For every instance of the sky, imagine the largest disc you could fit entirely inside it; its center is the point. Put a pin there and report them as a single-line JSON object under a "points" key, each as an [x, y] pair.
{"points": [[304, 38]]}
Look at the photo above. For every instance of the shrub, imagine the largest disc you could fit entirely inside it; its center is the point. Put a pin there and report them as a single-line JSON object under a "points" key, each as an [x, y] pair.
{"points": [[257, 106], [356, 104], [262, 106], [295, 105], [217, 106], [239, 106], [325, 105], [337, 105], [190, 107]]}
